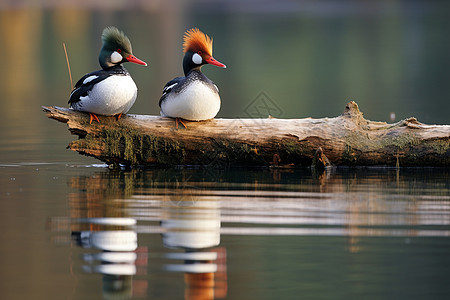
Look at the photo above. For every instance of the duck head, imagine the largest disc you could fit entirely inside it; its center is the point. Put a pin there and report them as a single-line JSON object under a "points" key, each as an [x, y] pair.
{"points": [[197, 48], [116, 49]]}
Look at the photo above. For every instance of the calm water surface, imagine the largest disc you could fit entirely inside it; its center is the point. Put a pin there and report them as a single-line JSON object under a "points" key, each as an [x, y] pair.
{"points": [[76, 231]]}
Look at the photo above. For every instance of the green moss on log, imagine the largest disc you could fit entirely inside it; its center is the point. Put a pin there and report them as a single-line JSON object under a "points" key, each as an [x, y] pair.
{"points": [[131, 147], [349, 156], [299, 153], [226, 152], [362, 141], [440, 146]]}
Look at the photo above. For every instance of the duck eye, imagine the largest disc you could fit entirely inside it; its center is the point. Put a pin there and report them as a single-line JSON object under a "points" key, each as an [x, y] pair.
{"points": [[119, 51], [199, 52]]}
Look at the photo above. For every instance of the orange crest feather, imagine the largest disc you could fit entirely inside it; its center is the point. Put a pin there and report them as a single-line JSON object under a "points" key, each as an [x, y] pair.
{"points": [[195, 40]]}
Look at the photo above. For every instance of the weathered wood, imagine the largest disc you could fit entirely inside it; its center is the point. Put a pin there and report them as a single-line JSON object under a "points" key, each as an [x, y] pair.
{"points": [[348, 140]]}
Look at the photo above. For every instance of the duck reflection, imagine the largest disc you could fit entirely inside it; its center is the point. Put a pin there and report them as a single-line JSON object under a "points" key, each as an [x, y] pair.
{"points": [[104, 209], [100, 225], [191, 223], [116, 261]]}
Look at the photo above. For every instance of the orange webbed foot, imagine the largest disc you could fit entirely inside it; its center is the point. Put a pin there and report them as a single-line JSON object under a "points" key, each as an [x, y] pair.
{"points": [[93, 117], [119, 116]]}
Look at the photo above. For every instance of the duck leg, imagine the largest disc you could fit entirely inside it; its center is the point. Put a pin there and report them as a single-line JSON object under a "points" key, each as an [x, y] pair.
{"points": [[181, 121], [92, 117]]}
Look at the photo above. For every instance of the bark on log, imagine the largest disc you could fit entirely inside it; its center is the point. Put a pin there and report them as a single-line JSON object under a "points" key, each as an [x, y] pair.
{"points": [[346, 140]]}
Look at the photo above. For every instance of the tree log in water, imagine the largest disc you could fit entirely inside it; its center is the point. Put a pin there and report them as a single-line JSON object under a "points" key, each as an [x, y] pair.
{"points": [[346, 140]]}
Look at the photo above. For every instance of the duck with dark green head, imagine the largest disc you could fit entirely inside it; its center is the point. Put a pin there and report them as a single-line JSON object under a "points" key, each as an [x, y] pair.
{"points": [[110, 91]]}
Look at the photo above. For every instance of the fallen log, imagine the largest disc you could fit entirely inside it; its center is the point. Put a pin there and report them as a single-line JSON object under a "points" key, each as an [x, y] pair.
{"points": [[346, 140]]}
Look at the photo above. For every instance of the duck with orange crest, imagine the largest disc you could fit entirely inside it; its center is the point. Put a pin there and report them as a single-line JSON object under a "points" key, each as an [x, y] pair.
{"points": [[110, 91], [193, 97]]}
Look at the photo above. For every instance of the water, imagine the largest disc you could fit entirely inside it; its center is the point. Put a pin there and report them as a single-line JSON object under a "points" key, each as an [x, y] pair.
{"points": [[80, 231], [73, 229]]}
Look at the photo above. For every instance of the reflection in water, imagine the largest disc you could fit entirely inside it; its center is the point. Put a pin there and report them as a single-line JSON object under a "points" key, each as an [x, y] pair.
{"points": [[111, 212], [116, 262], [192, 223], [100, 226]]}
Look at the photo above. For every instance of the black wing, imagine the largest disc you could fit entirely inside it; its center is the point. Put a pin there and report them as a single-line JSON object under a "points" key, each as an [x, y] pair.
{"points": [[82, 88], [172, 86]]}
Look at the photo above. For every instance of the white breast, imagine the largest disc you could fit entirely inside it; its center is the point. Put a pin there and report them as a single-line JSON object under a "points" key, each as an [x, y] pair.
{"points": [[114, 95], [195, 103]]}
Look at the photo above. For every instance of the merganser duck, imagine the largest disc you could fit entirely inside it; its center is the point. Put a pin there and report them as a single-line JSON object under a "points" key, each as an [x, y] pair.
{"points": [[193, 97], [110, 91]]}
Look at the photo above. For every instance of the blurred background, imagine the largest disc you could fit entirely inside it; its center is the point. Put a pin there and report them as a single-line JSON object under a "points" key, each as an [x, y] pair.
{"points": [[305, 58]]}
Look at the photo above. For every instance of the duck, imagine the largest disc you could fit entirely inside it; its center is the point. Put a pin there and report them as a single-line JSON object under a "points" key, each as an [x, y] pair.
{"points": [[193, 97], [110, 91]]}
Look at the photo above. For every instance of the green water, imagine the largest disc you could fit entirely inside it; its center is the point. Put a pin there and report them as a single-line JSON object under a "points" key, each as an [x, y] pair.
{"points": [[367, 233]]}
